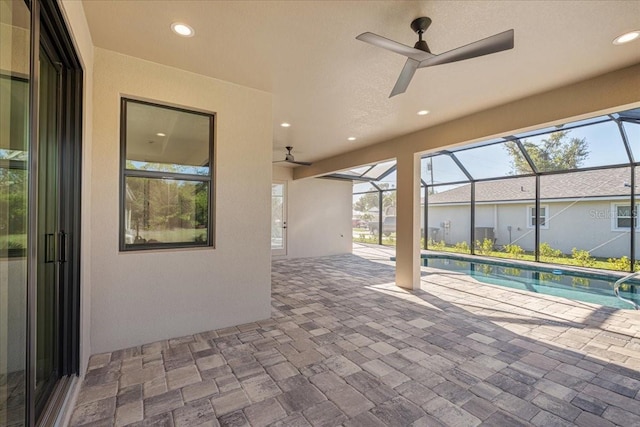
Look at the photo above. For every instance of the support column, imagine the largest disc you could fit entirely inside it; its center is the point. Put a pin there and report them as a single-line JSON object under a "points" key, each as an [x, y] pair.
{"points": [[408, 221]]}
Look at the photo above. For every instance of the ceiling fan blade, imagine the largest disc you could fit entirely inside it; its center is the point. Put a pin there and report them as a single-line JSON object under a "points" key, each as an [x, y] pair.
{"points": [[493, 44], [299, 163], [394, 46], [405, 77]]}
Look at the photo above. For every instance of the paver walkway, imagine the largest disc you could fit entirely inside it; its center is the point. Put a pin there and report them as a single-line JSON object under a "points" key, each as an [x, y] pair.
{"points": [[346, 347]]}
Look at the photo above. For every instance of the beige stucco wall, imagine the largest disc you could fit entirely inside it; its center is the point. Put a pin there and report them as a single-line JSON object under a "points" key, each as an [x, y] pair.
{"points": [[140, 297], [319, 215]]}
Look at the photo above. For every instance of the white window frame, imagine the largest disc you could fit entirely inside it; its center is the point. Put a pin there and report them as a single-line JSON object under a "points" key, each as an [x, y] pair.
{"points": [[531, 216], [614, 217]]}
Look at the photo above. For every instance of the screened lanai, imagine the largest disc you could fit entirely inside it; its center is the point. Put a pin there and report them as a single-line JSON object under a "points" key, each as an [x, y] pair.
{"points": [[562, 194]]}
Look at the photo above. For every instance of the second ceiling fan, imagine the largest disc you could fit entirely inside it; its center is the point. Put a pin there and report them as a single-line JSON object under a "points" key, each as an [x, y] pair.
{"points": [[420, 55]]}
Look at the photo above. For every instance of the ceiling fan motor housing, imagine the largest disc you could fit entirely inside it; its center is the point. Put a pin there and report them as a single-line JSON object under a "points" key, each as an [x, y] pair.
{"points": [[419, 26]]}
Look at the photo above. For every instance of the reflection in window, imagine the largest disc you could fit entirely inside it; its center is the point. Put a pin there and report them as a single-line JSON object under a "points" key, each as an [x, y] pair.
{"points": [[14, 104], [166, 200]]}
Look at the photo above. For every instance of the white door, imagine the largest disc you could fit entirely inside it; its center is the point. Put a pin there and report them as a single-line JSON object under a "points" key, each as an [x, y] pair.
{"points": [[278, 218]]}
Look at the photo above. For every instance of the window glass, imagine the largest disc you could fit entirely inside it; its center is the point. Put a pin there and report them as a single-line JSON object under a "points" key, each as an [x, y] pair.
{"points": [[15, 83], [165, 211], [168, 140], [542, 218], [166, 200], [623, 216]]}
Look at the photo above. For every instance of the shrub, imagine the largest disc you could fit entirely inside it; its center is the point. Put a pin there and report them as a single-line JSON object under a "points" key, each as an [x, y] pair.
{"points": [[583, 258], [514, 250], [622, 264], [485, 247], [462, 247], [436, 246], [547, 252]]}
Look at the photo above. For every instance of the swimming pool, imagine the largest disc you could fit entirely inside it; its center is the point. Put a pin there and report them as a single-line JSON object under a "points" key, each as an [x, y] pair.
{"points": [[586, 287]]}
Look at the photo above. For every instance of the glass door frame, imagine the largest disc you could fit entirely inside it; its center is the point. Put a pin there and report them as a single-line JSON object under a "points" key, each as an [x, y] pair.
{"points": [[282, 251], [48, 27]]}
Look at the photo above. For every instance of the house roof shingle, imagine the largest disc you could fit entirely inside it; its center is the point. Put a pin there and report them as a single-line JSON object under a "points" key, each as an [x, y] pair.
{"points": [[596, 183]]}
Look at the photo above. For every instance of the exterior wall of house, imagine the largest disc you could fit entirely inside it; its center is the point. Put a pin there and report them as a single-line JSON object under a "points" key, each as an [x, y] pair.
{"points": [[319, 215], [586, 225], [141, 297], [451, 222], [512, 226]]}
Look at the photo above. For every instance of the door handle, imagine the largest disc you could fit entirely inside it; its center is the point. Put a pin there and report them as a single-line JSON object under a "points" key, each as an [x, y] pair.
{"points": [[49, 248], [62, 245]]}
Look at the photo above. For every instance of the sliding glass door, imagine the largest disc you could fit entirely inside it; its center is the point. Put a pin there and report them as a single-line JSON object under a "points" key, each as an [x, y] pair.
{"points": [[47, 370], [15, 80], [40, 160]]}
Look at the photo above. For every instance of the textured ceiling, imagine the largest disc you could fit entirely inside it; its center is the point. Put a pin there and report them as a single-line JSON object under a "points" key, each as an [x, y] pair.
{"points": [[330, 86]]}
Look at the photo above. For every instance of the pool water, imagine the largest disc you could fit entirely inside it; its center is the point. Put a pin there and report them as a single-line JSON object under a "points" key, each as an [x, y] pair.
{"points": [[596, 289]]}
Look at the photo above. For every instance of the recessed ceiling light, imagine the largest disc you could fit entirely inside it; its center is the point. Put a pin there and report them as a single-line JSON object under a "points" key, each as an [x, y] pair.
{"points": [[285, 125], [351, 138], [160, 134], [627, 37], [423, 112], [182, 29]]}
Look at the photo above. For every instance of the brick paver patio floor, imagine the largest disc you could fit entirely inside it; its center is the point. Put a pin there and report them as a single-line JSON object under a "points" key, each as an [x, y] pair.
{"points": [[344, 346]]}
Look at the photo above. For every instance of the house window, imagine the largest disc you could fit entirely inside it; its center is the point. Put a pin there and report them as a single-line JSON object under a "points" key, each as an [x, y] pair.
{"points": [[166, 167], [543, 218], [622, 217]]}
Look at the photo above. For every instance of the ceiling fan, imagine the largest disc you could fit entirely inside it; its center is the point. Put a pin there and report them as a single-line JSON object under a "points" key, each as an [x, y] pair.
{"points": [[419, 56], [288, 158]]}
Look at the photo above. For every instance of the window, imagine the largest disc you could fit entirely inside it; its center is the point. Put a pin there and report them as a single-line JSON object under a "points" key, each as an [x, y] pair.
{"points": [[166, 177], [543, 217], [622, 217]]}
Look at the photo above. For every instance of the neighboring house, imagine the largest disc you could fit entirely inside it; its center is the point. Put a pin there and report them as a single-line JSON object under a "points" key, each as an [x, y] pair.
{"points": [[585, 210]]}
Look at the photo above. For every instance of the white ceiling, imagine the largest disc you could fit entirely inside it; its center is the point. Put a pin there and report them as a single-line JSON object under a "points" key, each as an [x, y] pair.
{"points": [[330, 86]]}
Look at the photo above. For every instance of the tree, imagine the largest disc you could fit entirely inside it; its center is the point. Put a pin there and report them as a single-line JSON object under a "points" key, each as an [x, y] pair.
{"points": [[556, 152], [368, 201]]}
